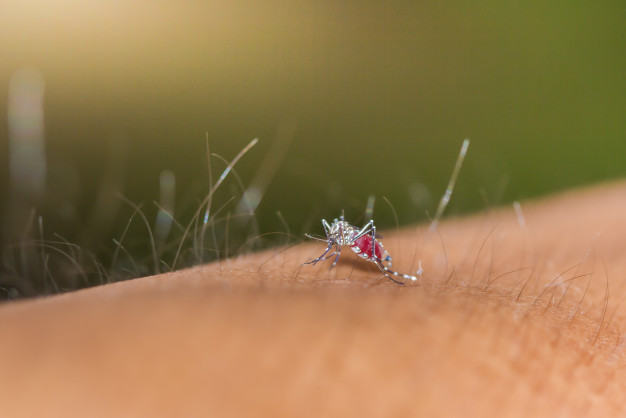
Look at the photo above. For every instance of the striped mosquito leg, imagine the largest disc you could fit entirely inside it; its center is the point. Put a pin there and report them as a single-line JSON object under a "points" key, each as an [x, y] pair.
{"points": [[338, 252], [387, 272], [323, 256]]}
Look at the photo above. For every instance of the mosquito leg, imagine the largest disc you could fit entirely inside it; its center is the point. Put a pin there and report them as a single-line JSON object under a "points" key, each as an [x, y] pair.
{"points": [[386, 256], [384, 269], [321, 257], [388, 272], [336, 258], [326, 227], [374, 242], [365, 230]]}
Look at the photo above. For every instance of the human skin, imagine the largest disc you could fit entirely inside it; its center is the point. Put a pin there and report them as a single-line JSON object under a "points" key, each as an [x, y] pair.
{"points": [[516, 314]]}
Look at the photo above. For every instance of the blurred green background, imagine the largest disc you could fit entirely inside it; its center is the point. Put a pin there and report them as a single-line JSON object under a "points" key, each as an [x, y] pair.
{"points": [[348, 99]]}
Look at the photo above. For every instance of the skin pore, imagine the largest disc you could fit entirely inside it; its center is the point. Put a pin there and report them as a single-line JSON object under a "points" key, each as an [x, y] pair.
{"points": [[517, 313]]}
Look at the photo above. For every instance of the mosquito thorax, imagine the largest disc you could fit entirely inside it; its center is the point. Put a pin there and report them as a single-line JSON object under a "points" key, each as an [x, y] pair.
{"points": [[342, 232]]}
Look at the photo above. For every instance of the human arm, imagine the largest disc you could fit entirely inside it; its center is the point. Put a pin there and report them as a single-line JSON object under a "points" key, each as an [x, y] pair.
{"points": [[511, 317]]}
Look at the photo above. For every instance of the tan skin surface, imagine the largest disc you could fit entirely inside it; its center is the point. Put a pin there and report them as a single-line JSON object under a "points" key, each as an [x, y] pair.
{"points": [[483, 333]]}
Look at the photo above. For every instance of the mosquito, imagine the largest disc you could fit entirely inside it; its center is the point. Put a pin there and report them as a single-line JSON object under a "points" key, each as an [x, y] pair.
{"points": [[365, 242]]}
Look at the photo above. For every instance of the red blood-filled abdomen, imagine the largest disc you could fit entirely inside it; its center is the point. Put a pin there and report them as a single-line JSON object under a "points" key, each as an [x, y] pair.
{"points": [[364, 244]]}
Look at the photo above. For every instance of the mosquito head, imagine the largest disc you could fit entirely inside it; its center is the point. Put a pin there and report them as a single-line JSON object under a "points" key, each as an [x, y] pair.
{"points": [[341, 232]]}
